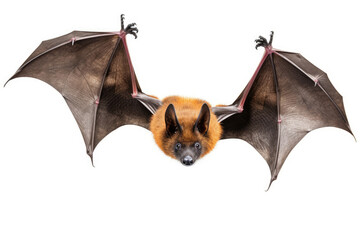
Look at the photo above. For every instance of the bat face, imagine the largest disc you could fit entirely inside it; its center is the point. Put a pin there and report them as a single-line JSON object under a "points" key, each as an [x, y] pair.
{"points": [[187, 153], [186, 140], [185, 129]]}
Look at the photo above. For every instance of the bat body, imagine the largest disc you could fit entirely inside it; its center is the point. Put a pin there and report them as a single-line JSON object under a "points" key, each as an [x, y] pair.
{"points": [[286, 98]]}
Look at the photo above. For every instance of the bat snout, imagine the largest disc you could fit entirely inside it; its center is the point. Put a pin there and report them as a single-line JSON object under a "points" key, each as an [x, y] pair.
{"points": [[187, 160]]}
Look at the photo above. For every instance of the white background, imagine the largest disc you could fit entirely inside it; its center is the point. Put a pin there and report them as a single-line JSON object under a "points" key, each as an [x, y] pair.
{"points": [[49, 190]]}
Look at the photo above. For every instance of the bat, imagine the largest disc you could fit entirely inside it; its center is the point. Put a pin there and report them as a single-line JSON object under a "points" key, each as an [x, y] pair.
{"points": [[286, 98]]}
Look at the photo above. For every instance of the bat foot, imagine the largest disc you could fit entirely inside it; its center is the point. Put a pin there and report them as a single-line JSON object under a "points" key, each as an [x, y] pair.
{"points": [[130, 28], [263, 42]]}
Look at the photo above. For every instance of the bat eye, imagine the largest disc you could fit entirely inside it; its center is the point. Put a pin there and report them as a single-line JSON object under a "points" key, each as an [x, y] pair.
{"points": [[178, 146], [197, 145]]}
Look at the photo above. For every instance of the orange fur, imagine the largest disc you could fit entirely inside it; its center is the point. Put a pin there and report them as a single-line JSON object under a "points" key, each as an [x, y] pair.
{"points": [[187, 111]]}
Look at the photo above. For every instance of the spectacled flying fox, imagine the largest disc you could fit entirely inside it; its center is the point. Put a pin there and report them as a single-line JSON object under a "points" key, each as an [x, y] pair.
{"points": [[286, 98]]}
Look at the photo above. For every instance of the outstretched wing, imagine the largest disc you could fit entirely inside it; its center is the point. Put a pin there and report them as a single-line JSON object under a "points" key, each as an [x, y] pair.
{"points": [[94, 74], [286, 98]]}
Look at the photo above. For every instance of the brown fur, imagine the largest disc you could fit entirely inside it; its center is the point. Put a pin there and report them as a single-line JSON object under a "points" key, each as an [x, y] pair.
{"points": [[187, 111]]}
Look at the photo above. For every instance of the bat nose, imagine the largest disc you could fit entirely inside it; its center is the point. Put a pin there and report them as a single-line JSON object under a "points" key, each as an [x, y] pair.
{"points": [[187, 160]]}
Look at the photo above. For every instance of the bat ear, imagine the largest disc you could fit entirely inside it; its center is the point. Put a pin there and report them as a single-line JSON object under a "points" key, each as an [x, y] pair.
{"points": [[172, 123], [203, 121]]}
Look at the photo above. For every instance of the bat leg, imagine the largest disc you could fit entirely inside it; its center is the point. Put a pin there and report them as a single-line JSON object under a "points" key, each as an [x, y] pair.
{"points": [[262, 42]]}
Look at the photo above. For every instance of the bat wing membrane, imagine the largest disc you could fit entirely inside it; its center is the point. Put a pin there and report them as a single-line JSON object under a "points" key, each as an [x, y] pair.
{"points": [[93, 72], [287, 98]]}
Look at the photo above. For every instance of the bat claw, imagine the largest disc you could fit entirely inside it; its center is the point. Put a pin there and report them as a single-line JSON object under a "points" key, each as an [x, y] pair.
{"points": [[132, 29], [262, 38], [271, 37], [134, 34], [262, 42], [130, 25], [122, 18], [135, 30]]}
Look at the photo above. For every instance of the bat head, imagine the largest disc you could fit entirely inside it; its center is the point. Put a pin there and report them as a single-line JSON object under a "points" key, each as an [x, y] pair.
{"points": [[187, 133], [187, 141]]}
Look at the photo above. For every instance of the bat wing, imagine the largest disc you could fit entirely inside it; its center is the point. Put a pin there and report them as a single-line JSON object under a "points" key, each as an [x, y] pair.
{"points": [[94, 74], [286, 98]]}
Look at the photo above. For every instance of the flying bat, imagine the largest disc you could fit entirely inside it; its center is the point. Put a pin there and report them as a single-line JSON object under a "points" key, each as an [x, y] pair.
{"points": [[286, 98]]}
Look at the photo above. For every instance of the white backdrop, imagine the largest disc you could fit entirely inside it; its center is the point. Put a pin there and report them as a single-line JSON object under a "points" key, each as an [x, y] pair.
{"points": [[204, 49]]}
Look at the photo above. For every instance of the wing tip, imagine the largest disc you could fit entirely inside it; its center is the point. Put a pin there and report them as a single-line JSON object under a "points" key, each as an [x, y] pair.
{"points": [[13, 76], [350, 131], [7, 82], [91, 158], [352, 134], [273, 178]]}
